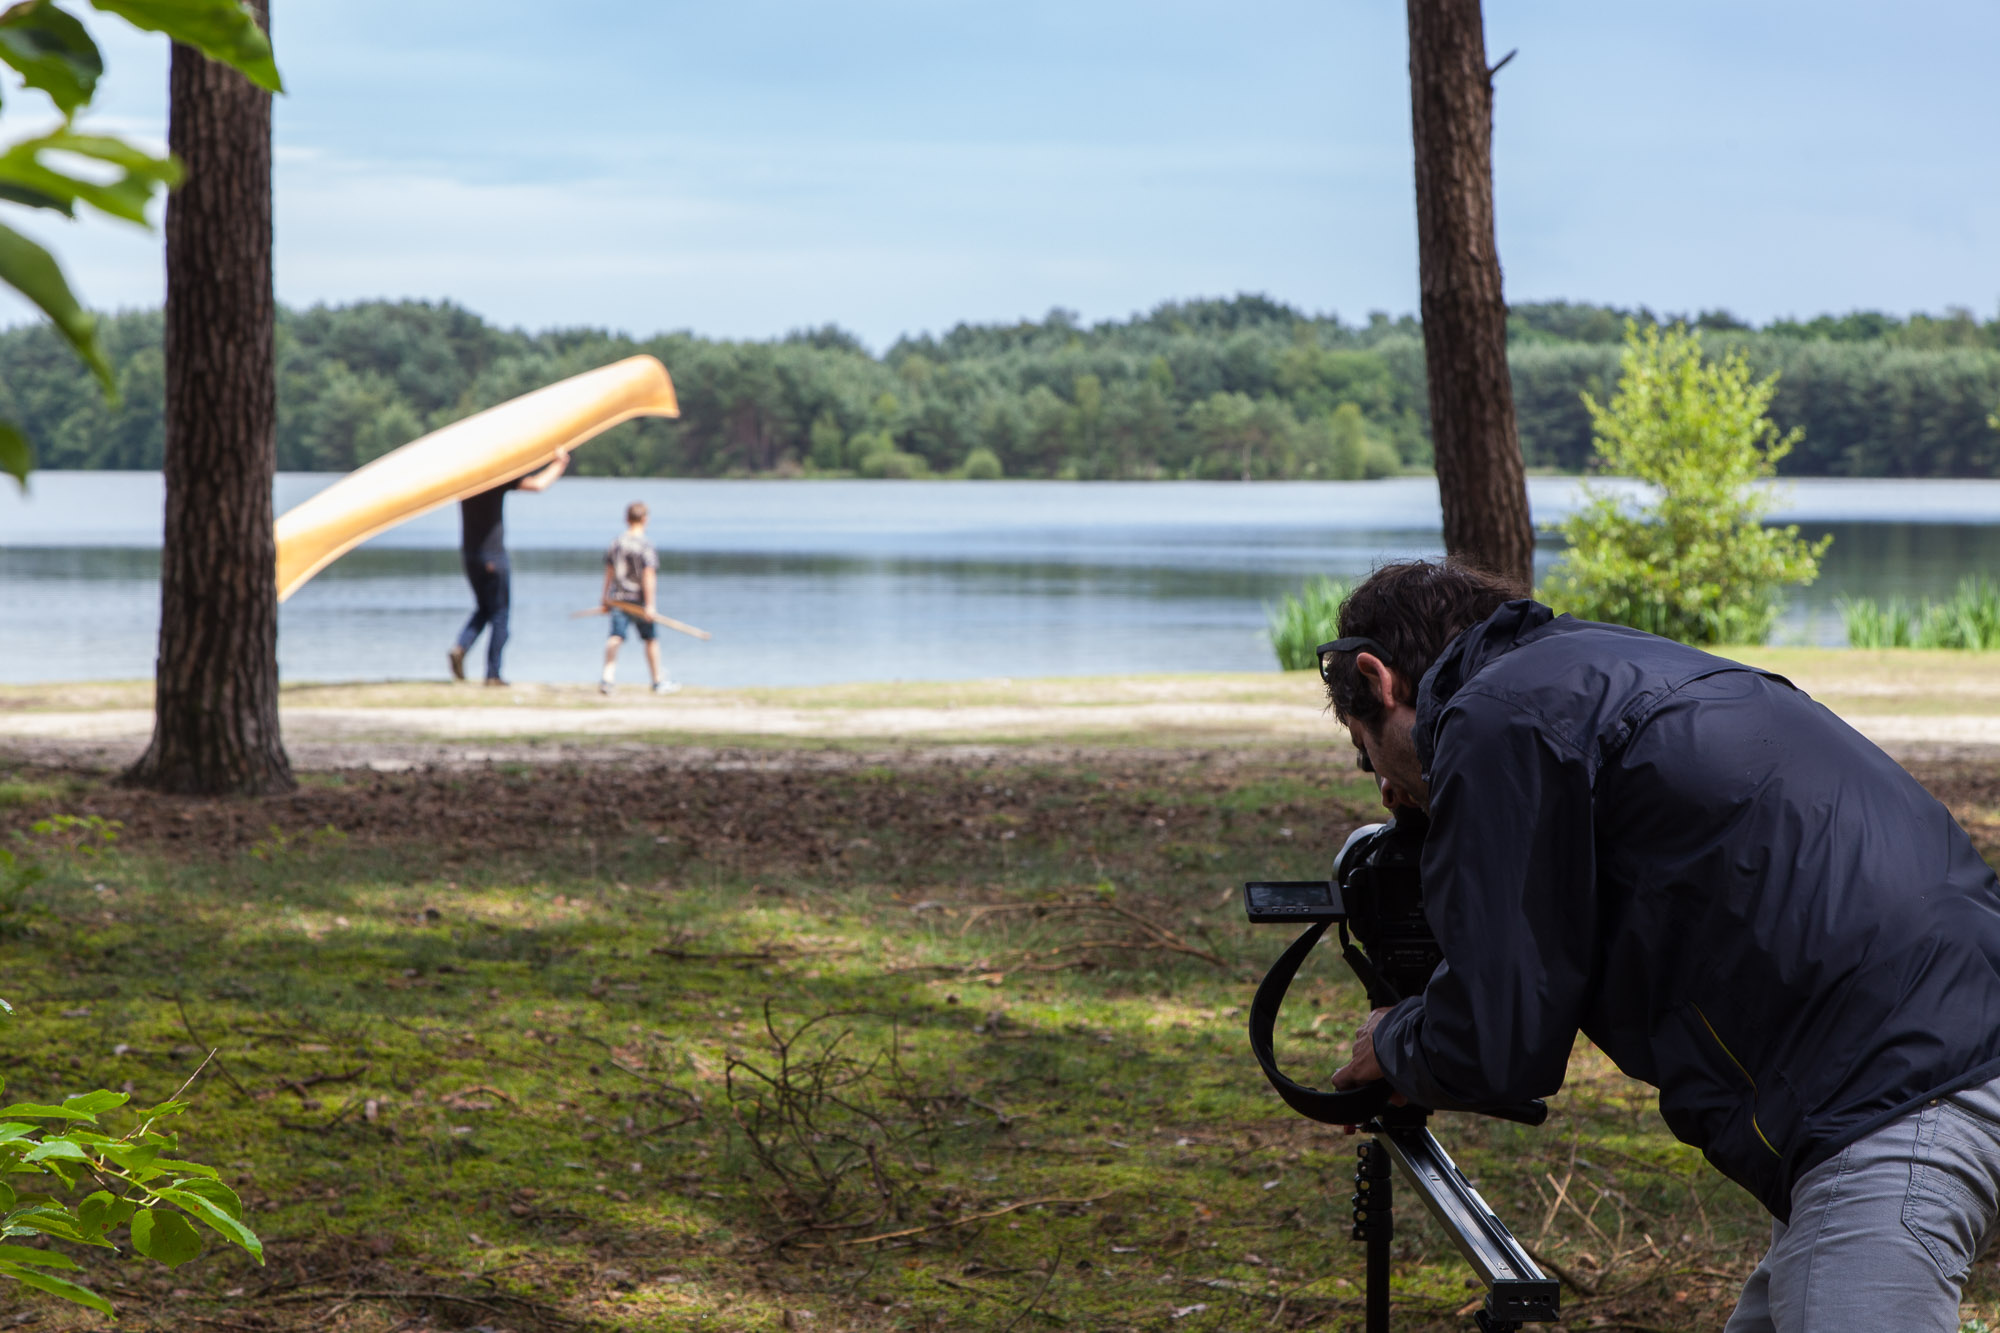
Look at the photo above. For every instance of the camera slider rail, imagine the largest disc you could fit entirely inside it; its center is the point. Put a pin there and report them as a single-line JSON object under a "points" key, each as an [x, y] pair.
{"points": [[1517, 1291]]}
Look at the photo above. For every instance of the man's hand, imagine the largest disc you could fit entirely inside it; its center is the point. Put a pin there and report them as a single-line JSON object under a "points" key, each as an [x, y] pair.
{"points": [[1363, 1067]]}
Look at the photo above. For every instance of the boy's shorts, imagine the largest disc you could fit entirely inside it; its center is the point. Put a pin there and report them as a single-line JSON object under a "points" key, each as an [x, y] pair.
{"points": [[624, 624]]}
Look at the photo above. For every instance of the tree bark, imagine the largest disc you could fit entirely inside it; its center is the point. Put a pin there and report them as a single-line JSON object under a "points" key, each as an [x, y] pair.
{"points": [[1480, 482], [215, 729]]}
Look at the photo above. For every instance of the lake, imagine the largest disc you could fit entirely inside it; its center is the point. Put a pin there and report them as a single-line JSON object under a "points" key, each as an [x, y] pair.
{"points": [[805, 582]]}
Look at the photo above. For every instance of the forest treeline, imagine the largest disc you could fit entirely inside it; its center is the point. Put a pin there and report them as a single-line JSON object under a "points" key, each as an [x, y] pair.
{"points": [[1241, 388]]}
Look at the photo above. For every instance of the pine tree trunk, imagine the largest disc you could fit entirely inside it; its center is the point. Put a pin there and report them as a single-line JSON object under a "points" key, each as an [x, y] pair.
{"points": [[215, 728], [1480, 481]]}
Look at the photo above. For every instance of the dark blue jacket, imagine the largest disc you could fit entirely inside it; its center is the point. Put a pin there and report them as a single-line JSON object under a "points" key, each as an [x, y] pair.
{"points": [[1734, 894]]}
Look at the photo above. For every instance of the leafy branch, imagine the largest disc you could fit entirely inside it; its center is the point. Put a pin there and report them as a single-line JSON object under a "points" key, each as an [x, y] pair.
{"points": [[53, 53], [140, 1186]]}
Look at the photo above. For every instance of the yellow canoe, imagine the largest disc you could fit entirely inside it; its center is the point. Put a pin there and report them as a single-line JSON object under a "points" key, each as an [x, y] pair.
{"points": [[463, 459]]}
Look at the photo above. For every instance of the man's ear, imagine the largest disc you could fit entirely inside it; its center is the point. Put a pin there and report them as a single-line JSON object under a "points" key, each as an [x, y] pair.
{"points": [[1381, 677]]}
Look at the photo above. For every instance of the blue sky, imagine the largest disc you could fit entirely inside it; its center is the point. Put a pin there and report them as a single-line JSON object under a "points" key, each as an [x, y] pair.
{"points": [[896, 165]]}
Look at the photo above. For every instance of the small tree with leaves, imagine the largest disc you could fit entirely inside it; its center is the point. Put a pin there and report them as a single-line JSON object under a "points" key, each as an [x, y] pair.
{"points": [[51, 52], [1695, 560], [64, 1179]]}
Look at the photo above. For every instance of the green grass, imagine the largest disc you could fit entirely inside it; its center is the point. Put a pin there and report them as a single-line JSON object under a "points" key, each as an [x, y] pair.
{"points": [[1304, 620], [1968, 620], [647, 1049]]}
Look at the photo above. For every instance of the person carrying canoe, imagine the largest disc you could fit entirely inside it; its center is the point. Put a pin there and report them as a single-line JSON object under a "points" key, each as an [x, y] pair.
{"points": [[631, 578], [483, 543]]}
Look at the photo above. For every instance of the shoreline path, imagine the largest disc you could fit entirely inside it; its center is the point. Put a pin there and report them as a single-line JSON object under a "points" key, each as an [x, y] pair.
{"points": [[1916, 705]]}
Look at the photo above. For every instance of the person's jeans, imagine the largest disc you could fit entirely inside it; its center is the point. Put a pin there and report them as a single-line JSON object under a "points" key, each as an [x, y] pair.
{"points": [[490, 590], [1882, 1235]]}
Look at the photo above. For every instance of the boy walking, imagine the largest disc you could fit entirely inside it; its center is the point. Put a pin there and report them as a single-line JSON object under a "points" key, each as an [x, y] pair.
{"points": [[631, 576]]}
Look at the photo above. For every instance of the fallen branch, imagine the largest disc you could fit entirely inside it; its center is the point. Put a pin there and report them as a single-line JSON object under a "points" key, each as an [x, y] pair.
{"points": [[977, 1294], [1575, 1281], [194, 1037], [775, 954], [1158, 936], [299, 1085], [957, 1221], [487, 1303]]}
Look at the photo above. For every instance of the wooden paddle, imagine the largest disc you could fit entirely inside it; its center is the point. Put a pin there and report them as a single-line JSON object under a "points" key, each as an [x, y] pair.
{"points": [[641, 613]]}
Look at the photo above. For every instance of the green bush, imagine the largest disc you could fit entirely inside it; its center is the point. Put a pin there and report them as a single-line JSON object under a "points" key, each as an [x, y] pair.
{"points": [[1305, 620], [1696, 562], [982, 464], [1968, 620]]}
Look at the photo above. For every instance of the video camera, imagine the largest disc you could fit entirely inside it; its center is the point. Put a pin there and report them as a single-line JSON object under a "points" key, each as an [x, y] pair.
{"points": [[1375, 898]]}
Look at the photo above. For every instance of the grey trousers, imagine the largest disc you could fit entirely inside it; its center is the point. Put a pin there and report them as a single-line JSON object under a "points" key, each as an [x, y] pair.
{"points": [[1883, 1234]]}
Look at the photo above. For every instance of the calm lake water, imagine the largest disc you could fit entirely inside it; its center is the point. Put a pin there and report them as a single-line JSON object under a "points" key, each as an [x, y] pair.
{"points": [[806, 582]]}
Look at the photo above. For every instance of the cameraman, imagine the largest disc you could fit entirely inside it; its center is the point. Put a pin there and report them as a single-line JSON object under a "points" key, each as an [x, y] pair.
{"points": [[1736, 896]]}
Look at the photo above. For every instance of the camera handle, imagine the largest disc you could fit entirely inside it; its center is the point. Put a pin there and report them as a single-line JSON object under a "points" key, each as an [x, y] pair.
{"points": [[1338, 1108], [1329, 1108]]}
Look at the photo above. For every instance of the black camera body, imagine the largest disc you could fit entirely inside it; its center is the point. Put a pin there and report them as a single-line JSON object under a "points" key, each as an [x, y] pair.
{"points": [[1375, 898], [1376, 892], [1379, 877]]}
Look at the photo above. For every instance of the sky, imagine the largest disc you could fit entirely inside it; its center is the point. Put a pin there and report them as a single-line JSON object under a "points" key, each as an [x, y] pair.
{"points": [[900, 166]]}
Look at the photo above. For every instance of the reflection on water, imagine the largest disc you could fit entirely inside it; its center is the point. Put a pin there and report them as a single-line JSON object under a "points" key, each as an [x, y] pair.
{"points": [[805, 584]]}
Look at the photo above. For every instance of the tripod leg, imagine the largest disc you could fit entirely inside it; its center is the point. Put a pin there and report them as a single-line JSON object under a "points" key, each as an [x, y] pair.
{"points": [[1375, 1223]]}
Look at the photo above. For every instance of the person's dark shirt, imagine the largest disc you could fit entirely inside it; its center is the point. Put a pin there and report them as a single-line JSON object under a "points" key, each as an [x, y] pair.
{"points": [[482, 534]]}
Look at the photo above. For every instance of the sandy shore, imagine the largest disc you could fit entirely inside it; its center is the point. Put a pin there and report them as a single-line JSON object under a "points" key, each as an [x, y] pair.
{"points": [[1915, 705]]}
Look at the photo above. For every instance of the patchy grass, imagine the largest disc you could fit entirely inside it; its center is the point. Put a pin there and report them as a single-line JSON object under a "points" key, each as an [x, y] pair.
{"points": [[913, 1046]]}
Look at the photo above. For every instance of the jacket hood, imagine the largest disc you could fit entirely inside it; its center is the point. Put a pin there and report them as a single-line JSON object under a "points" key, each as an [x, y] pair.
{"points": [[1464, 657]]}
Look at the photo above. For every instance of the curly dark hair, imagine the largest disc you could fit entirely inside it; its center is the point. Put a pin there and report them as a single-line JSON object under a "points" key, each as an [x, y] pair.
{"points": [[1412, 609]]}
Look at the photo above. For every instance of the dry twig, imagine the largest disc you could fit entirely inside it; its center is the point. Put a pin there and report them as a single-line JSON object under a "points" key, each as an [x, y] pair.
{"points": [[957, 1221]]}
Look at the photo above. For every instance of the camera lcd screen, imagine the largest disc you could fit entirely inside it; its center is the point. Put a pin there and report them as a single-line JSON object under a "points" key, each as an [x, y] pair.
{"points": [[1291, 895], [1292, 900]]}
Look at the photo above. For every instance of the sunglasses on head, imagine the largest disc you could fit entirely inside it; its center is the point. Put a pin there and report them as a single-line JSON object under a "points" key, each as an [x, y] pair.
{"points": [[1353, 643]]}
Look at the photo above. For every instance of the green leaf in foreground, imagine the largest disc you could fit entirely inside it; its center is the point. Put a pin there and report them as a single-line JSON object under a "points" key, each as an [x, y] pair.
{"points": [[92, 1103], [222, 30], [212, 1213], [215, 1192], [39, 1109], [52, 52], [33, 272], [102, 1211], [56, 1150], [47, 1221], [23, 1254], [26, 177], [55, 1286], [43, 1111], [167, 1237]]}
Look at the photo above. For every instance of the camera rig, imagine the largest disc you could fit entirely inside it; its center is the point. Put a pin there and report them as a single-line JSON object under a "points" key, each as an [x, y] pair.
{"points": [[1376, 889]]}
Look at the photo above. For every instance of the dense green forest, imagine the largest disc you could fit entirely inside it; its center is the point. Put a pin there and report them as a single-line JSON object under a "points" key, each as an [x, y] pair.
{"points": [[1238, 388]]}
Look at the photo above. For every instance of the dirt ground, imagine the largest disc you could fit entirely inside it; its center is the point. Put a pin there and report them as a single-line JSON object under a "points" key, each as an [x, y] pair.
{"points": [[766, 799], [854, 837]]}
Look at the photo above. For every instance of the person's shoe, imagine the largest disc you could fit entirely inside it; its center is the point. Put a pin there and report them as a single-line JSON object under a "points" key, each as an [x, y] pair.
{"points": [[604, 687], [457, 659], [496, 682], [666, 687]]}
